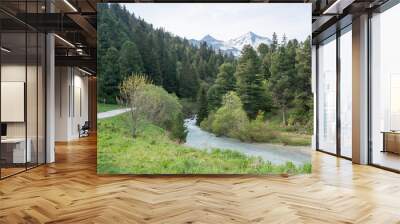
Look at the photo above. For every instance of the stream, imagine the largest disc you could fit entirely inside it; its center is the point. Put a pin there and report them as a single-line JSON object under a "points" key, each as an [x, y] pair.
{"points": [[277, 154]]}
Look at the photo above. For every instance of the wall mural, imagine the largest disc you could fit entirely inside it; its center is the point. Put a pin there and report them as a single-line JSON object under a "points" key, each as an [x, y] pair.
{"points": [[200, 88]]}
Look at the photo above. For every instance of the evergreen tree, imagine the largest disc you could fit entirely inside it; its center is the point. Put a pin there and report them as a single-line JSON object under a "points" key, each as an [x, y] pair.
{"points": [[281, 80], [188, 80], [263, 50], [250, 82], [274, 44], [226, 77], [202, 104], [284, 40], [170, 81], [224, 83], [266, 65], [110, 77], [303, 99], [130, 60]]}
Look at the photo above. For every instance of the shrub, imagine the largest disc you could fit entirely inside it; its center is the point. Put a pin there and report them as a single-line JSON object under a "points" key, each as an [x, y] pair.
{"points": [[163, 109], [153, 104], [207, 122], [258, 130], [230, 120], [178, 129], [300, 121]]}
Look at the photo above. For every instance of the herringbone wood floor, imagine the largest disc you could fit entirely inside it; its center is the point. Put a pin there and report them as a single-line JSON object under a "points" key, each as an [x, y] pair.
{"points": [[69, 191]]}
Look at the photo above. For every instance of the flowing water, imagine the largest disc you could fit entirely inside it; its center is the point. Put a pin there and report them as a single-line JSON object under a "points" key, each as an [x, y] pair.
{"points": [[277, 154]]}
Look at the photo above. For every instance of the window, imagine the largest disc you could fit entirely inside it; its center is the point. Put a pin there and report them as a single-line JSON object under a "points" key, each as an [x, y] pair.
{"points": [[22, 98], [346, 93], [327, 95], [385, 89]]}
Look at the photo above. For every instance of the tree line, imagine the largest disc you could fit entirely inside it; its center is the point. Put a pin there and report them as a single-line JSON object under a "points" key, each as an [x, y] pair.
{"points": [[274, 79]]}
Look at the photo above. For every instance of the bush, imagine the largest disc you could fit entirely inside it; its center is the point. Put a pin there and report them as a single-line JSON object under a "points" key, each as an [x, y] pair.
{"points": [[153, 104], [230, 120], [178, 129], [207, 122], [258, 130], [300, 121], [163, 109]]}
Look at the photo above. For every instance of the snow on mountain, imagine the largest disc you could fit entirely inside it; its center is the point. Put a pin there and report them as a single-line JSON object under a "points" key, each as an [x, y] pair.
{"points": [[234, 45], [249, 38]]}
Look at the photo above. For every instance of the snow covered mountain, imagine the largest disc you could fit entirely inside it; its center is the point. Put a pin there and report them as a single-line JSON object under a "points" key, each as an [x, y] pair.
{"points": [[234, 45], [249, 38]]}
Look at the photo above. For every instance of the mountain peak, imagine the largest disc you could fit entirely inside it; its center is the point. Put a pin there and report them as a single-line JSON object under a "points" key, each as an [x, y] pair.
{"points": [[208, 37]]}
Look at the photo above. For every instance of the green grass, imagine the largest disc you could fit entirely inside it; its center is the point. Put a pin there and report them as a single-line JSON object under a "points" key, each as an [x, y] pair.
{"points": [[291, 138], [153, 152], [288, 135], [102, 107]]}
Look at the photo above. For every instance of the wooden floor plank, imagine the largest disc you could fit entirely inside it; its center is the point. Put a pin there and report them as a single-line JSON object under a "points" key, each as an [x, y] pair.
{"points": [[70, 191]]}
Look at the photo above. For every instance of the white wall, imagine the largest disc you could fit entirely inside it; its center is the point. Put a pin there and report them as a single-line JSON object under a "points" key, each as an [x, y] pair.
{"points": [[71, 102], [62, 82]]}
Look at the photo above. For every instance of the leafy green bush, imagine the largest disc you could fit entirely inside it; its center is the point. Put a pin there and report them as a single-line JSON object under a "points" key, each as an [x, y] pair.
{"points": [[178, 129], [163, 109], [207, 122], [154, 104], [258, 130], [230, 119], [300, 122]]}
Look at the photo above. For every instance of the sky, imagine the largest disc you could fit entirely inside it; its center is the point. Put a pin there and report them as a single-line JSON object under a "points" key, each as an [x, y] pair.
{"points": [[226, 21]]}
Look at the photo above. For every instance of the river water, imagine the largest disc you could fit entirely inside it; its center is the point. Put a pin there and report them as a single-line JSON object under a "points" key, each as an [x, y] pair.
{"points": [[277, 154]]}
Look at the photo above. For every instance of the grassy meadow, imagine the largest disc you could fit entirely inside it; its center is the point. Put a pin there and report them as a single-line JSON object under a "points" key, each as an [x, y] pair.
{"points": [[154, 152]]}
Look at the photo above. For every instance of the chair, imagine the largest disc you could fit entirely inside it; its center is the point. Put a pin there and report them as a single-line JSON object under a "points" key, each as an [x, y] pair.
{"points": [[84, 130]]}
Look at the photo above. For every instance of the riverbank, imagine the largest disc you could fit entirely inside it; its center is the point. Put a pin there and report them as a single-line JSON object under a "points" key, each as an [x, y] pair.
{"points": [[276, 153], [153, 152]]}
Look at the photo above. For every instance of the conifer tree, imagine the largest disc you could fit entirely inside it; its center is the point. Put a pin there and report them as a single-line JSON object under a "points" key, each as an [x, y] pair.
{"points": [[274, 44], [110, 77], [250, 82], [303, 99], [188, 80], [130, 60], [280, 82], [170, 81], [263, 50], [224, 83], [202, 104]]}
